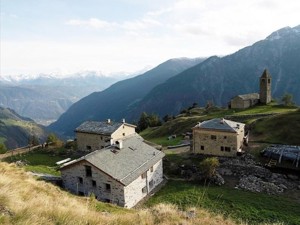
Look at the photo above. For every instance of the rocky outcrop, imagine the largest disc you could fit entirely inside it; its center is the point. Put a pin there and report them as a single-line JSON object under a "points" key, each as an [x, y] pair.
{"points": [[254, 177]]}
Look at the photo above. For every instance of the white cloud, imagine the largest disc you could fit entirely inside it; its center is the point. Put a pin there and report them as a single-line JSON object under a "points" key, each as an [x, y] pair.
{"points": [[92, 22], [182, 28]]}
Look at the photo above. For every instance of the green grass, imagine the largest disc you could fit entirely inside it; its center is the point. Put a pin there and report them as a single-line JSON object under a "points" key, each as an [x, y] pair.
{"points": [[261, 109], [252, 208], [39, 161], [281, 129], [185, 122]]}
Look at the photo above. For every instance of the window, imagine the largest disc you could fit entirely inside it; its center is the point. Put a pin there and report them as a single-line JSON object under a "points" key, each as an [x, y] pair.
{"points": [[101, 138], [202, 147], [269, 81], [213, 137], [151, 169], [151, 184], [227, 149], [88, 147], [144, 175], [80, 180], [222, 148], [123, 134], [94, 183], [144, 189], [88, 171], [80, 193], [107, 200], [263, 81], [107, 187]]}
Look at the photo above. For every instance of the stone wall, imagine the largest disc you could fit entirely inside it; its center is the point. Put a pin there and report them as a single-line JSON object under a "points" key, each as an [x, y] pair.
{"points": [[70, 176], [204, 144], [134, 191], [125, 196], [122, 131], [91, 142], [239, 103]]}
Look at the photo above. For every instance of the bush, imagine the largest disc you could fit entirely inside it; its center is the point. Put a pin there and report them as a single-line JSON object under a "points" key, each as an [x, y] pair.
{"points": [[208, 166], [3, 148]]}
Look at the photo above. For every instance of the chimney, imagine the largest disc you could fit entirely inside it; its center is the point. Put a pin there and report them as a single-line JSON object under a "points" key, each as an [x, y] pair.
{"points": [[123, 120], [119, 144], [222, 121], [108, 121]]}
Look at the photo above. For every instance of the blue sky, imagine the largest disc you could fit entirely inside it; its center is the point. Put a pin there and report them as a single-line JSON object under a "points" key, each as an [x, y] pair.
{"points": [[68, 36]]}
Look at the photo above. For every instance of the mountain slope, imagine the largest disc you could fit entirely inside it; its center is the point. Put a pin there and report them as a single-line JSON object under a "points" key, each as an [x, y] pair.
{"points": [[219, 79], [115, 101], [45, 98], [15, 130]]}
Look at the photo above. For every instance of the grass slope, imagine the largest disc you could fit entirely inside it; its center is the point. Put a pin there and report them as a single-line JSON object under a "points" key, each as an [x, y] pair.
{"points": [[281, 129], [24, 200], [244, 206], [184, 122]]}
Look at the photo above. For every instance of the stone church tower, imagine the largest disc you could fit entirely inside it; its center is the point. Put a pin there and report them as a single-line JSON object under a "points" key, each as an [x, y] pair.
{"points": [[265, 87]]}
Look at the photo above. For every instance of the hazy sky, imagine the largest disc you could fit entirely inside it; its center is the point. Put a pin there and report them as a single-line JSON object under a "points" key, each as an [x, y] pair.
{"points": [[66, 36]]}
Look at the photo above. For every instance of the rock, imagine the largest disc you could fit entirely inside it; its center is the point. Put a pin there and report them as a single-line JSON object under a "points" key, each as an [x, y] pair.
{"points": [[218, 179], [225, 171], [282, 186], [292, 177]]}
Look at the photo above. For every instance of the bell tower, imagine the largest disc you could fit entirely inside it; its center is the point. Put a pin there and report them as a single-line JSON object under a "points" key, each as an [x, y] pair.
{"points": [[265, 87]]}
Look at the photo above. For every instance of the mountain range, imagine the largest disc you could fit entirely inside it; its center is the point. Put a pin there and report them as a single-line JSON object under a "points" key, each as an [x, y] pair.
{"points": [[176, 84], [16, 130], [115, 101], [45, 97]]}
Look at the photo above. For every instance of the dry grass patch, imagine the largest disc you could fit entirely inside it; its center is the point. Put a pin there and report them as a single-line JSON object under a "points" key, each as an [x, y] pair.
{"points": [[25, 200]]}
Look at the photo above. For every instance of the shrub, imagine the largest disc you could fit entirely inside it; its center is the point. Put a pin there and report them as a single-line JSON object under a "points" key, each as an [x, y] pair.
{"points": [[209, 166]]}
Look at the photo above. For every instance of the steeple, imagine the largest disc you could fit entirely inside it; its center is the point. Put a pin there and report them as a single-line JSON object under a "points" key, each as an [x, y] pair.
{"points": [[265, 87]]}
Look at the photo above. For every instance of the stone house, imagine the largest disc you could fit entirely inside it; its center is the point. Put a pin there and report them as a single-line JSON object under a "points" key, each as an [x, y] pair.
{"points": [[244, 101], [219, 137], [247, 100], [122, 173], [95, 135]]}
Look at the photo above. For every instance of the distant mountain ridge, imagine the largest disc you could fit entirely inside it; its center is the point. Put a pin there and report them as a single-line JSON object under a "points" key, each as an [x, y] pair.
{"points": [[215, 79], [45, 98], [219, 79], [16, 130], [115, 101]]}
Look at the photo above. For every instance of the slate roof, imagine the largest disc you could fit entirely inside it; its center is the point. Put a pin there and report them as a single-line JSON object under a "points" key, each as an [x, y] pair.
{"points": [[220, 124], [96, 127], [125, 164], [249, 96]]}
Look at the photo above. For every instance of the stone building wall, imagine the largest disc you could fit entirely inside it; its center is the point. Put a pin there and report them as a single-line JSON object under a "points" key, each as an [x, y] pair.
{"points": [[126, 196], [122, 131], [96, 184], [239, 103], [141, 187], [91, 142], [217, 143]]}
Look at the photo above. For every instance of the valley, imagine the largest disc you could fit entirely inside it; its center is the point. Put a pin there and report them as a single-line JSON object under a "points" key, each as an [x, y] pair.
{"points": [[197, 198], [248, 188]]}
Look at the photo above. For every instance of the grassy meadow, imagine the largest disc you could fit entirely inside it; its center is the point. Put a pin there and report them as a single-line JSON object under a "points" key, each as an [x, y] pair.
{"points": [[242, 206], [25, 200], [40, 160]]}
